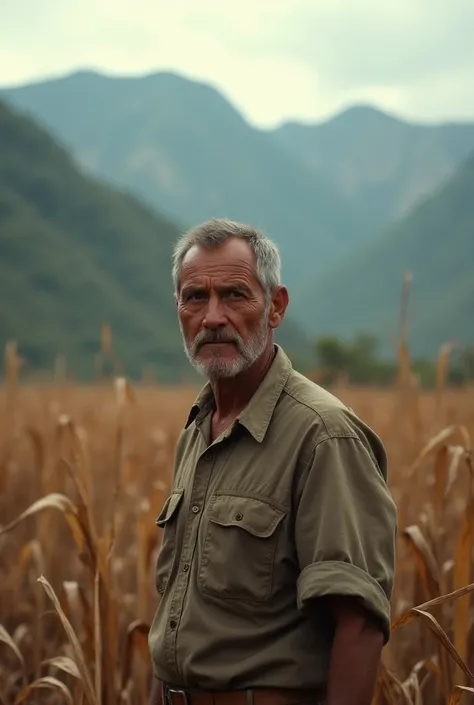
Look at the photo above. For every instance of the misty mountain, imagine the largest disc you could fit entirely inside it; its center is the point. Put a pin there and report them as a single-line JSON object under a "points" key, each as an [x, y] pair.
{"points": [[76, 253], [184, 150], [435, 241], [383, 164], [352, 202]]}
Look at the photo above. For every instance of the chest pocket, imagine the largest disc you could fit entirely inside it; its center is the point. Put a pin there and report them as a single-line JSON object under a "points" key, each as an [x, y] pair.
{"points": [[238, 553], [166, 521]]}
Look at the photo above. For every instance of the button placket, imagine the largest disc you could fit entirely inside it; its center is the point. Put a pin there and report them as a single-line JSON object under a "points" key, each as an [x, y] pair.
{"points": [[197, 498]]}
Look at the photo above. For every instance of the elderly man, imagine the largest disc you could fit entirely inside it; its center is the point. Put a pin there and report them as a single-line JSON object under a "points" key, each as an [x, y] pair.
{"points": [[278, 538]]}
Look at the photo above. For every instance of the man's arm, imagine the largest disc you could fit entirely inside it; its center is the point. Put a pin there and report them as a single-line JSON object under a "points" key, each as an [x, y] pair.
{"points": [[155, 692], [355, 655], [345, 530]]}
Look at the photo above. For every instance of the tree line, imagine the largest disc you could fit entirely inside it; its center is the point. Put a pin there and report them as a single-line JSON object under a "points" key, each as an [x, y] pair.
{"points": [[359, 362]]}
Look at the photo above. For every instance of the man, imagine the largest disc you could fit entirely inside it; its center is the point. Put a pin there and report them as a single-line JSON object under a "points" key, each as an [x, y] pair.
{"points": [[278, 539]]}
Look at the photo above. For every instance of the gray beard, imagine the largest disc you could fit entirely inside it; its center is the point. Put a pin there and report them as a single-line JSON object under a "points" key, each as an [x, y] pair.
{"points": [[218, 367]]}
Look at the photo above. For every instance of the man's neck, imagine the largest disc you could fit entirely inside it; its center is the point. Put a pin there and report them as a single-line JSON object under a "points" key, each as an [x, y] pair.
{"points": [[232, 394]]}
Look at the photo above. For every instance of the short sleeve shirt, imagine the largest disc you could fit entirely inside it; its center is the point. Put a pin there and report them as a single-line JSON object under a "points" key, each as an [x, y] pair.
{"points": [[288, 505]]}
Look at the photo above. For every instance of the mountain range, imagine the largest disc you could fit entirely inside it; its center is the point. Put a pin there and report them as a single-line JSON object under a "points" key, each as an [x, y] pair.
{"points": [[75, 254], [352, 202], [185, 151], [379, 162], [435, 243]]}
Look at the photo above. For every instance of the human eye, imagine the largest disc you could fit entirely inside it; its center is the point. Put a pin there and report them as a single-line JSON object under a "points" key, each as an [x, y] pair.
{"points": [[236, 294], [194, 295]]}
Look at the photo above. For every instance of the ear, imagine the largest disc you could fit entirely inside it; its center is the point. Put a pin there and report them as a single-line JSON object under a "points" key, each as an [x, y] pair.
{"points": [[280, 300]]}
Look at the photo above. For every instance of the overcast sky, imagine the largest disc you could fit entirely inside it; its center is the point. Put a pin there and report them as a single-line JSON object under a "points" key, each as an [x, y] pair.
{"points": [[274, 59]]}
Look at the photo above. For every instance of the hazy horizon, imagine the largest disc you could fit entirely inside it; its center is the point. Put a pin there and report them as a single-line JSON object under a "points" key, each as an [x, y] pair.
{"points": [[278, 61]]}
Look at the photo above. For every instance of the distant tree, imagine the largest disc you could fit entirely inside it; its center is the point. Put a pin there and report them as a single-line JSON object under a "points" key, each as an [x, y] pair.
{"points": [[461, 369], [356, 361], [332, 356]]}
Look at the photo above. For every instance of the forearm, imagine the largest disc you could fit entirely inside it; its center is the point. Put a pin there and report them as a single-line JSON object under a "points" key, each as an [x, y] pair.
{"points": [[155, 693], [354, 663]]}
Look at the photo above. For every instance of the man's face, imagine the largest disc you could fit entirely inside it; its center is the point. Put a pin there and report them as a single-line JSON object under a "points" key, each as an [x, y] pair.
{"points": [[222, 309]]}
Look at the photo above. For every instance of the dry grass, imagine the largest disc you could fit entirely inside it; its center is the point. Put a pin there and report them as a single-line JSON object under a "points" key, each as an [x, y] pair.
{"points": [[83, 473]]}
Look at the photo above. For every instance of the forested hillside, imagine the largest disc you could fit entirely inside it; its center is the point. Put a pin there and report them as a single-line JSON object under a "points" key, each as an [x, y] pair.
{"points": [[74, 254], [436, 243], [182, 148], [384, 164]]}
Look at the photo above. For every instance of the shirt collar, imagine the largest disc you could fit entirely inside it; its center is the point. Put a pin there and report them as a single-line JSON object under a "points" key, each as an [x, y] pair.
{"points": [[257, 414]]}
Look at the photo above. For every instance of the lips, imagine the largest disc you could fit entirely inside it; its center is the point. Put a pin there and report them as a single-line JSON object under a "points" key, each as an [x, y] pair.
{"points": [[218, 344]]}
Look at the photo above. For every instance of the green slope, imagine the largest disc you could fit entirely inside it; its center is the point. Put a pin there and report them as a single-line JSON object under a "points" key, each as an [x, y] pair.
{"points": [[436, 242], [383, 163], [75, 253], [181, 147]]}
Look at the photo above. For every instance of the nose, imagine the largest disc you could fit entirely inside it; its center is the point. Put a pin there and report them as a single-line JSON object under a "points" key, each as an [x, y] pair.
{"points": [[214, 316]]}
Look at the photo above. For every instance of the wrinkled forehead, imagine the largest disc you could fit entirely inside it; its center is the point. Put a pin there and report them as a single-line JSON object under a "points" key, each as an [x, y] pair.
{"points": [[232, 259]]}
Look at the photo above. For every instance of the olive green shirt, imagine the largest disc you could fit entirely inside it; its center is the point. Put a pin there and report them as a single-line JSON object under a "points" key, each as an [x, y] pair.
{"points": [[288, 505]]}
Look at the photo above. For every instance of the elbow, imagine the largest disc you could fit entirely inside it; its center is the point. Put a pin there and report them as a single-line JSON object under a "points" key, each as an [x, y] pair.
{"points": [[355, 624]]}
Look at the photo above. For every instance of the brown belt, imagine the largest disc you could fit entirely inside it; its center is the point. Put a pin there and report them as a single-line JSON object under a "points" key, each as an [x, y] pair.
{"points": [[257, 696]]}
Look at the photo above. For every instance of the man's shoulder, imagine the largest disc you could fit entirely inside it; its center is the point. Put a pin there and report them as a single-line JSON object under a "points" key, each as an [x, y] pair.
{"points": [[307, 401], [316, 413]]}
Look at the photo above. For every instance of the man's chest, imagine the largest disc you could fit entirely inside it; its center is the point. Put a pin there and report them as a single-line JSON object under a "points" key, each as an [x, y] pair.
{"points": [[233, 521], [237, 464]]}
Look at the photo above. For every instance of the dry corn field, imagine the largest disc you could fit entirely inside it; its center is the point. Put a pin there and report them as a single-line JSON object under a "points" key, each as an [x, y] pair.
{"points": [[83, 474]]}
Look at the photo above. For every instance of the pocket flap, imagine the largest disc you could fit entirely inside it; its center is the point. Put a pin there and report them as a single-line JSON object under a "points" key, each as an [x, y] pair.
{"points": [[169, 507], [253, 515]]}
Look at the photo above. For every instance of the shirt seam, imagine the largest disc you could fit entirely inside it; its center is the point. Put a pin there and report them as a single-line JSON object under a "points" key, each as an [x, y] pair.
{"points": [[250, 495], [338, 437], [329, 433]]}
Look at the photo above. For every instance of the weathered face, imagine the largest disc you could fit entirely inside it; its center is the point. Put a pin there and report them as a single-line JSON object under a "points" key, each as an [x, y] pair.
{"points": [[222, 309]]}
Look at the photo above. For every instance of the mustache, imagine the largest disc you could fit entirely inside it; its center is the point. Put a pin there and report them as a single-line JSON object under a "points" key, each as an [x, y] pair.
{"points": [[215, 336]]}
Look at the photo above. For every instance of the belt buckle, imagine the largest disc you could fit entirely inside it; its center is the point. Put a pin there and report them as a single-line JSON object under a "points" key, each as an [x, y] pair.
{"points": [[176, 691]]}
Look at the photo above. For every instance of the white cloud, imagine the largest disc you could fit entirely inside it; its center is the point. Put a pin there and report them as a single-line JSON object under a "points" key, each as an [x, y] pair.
{"points": [[274, 59]]}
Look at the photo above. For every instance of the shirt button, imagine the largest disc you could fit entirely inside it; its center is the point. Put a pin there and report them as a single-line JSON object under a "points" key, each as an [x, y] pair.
{"points": [[239, 517], [173, 624], [195, 509], [186, 567]]}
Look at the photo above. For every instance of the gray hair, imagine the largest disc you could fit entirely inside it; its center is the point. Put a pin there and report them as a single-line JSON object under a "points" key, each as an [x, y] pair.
{"points": [[215, 232]]}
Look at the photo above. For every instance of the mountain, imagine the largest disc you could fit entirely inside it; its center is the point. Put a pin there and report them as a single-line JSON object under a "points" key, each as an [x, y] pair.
{"points": [[384, 164], [183, 149], [435, 241], [76, 253]]}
